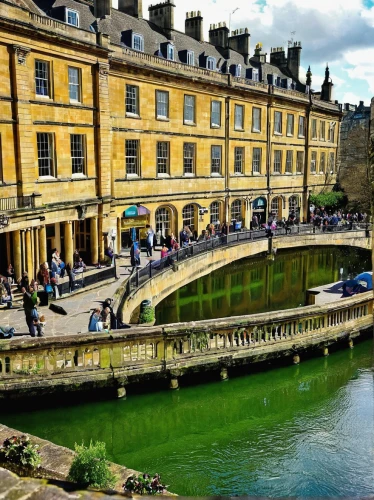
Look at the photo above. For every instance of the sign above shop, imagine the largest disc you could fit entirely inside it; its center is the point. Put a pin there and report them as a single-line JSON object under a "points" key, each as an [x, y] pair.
{"points": [[135, 211]]}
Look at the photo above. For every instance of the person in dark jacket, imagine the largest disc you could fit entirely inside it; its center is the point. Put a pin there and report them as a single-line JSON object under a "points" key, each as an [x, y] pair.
{"points": [[30, 299]]}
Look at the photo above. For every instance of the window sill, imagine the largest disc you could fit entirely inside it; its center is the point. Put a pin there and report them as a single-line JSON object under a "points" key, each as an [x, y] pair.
{"points": [[238, 174], [277, 173], [188, 175], [215, 126], [256, 131], [44, 97], [301, 136], [163, 176], [257, 174], [74, 102], [162, 119], [132, 176], [190, 124], [239, 130], [289, 135], [48, 178], [279, 134], [215, 174], [133, 115], [79, 176]]}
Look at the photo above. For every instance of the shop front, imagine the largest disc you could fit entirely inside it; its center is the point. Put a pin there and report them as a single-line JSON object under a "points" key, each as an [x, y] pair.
{"points": [[259, 209], [134, 225]]}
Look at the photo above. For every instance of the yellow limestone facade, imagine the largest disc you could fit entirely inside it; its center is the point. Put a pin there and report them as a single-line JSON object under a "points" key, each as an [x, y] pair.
{"points": [[89, 128]]}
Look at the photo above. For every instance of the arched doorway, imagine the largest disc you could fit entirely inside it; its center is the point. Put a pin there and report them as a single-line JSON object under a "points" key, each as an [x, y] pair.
{"points": [[189, 216], [294, 205], [164, 223], [259, 209], [276, 208]]}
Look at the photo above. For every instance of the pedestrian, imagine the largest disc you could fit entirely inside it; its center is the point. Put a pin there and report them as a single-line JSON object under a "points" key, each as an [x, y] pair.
{"points": [[149, 241], [95, 323], [135, 254], [30, 300]]}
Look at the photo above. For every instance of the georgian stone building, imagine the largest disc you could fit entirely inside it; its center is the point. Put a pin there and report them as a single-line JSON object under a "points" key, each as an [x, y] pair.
{"points": [[109, 121]]}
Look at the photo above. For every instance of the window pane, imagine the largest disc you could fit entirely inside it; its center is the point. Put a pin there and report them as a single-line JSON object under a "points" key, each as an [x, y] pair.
{"points": [[290, 124], [239, 160], [132, 99], [314, 128], [277, 161], [74, 84], [278, 122], [190, 58], [289, 161], [239, 117], [301, 126], [189, 108], [322, 164], [188, 215], [41, 78], [216, 114], [256, 119], [72, 18], [45, 158], [77, 154], [162, 98], [138, 42], [162, 157], [313, 162], [216, 160], [188, 158], [300, 162], [132, 153], [256, 160], [214, 212], [236, 210]]}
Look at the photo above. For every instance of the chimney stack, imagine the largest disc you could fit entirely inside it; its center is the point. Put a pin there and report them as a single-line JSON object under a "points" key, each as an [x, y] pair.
{"points": [[133, 8], [239, 41], [293, 59], [194, 25], [259, 55], [219, 35], [162, 15], [278, 57], [102, 8], [326, 91]]}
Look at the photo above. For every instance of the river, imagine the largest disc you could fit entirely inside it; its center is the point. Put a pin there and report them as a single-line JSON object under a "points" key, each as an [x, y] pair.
{"points": [[303, 430]]}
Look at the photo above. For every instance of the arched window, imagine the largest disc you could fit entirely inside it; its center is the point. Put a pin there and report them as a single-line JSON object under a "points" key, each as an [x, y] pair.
{"points": [[293, 203], [236, 210], [211, 63], [275, 206], [163, 221], [188, 216], [214, 212]]}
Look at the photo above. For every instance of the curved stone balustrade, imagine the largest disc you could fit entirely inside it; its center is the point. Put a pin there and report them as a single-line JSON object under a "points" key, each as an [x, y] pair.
{"points": [[32, 366]]}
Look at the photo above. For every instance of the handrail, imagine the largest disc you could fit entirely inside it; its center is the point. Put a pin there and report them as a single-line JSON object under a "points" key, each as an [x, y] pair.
{"points": [[16, 203]]}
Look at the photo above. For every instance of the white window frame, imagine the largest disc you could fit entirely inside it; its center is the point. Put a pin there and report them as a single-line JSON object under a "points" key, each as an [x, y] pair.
{"points": [[170, 52], [69, 11], [277, 166], [43, 79], [238, 70], [188, 216], [189, 159], [289, 161], [78, 155], [313, 162], [239, 160], [256, 160], [46, 155], [216, 160], [137, 42], [278, 116], [189, 108], [290, 124], [236, 210], [132, 161], [163, 158], [301, 127], [190, 57], [132, 100], [214, 210], [215, 114], [211, 63], [162, 106], [75, 85], [238, 126], [255, 75], [331, 162], [258, 112], [274, 207], [322, 131]]}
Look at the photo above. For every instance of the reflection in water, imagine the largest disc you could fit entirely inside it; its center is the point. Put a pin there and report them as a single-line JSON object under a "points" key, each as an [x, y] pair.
{"points": [[303, 430], [256, 285]]}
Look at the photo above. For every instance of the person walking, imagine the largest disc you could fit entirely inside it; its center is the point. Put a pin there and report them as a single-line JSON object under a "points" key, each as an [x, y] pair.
{"points": [[30, 299], [149, 241]]}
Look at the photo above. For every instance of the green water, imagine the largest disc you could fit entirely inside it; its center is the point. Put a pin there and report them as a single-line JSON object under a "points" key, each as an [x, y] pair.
{"points": [[256, 285], [302, 430]]}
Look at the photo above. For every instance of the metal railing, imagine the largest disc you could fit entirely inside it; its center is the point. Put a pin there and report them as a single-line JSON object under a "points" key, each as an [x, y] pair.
{"points": [[16, 203], [142, 275]]}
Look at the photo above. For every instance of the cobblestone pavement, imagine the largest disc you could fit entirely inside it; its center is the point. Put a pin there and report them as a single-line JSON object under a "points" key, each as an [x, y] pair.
{"points": [[78, 306]]}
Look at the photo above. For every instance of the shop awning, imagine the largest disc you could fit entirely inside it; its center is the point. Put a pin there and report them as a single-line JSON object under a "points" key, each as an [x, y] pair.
{"points": [[259, 203], [135, 211]]}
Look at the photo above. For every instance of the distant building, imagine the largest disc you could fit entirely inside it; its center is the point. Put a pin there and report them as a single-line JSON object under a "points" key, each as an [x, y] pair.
{"points": [[110, 122]]}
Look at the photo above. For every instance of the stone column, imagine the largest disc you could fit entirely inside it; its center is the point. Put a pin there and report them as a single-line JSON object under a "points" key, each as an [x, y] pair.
{"points": [[29, 254], [23, 250], [94, 241], [68, 242], [17, 257], [118, 239], [36, 248], [42, 245]]}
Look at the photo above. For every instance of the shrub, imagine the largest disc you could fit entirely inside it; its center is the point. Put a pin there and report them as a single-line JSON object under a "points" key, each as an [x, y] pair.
{"points": [[20, 451], [90, 466], [145, 485], [147, 315]]}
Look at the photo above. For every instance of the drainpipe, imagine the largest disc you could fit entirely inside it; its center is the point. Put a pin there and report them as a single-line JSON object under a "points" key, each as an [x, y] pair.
{"points": [[306, 162], [268, 149], [227, 158]]}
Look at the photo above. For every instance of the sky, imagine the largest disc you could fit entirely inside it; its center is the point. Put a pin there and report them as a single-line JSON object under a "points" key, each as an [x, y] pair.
{"points": [[340, 32]]}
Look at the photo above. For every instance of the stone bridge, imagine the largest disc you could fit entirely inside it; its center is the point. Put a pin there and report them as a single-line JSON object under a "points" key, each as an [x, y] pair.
{"points": [[187, 270]]}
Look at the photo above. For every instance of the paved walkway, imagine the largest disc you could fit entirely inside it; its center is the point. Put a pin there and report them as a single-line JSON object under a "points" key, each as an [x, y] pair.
{"points": [[78, 306]]}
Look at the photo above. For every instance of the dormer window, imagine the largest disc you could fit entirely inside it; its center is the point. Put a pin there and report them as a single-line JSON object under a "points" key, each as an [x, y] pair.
{"points": [[252, 74], [211, 63], [138, 42], [238, 70], [190, 58], [170, 52], [72, 17]]}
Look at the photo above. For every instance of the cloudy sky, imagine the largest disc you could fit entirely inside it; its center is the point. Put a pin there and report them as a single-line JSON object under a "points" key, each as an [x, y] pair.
{"points": [[340, 32]]}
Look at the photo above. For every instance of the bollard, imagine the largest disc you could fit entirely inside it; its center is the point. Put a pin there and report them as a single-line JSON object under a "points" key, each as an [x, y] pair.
{"points": [[174, 384], [325, 351], [350, 344], [296, 359], [224, 374]]}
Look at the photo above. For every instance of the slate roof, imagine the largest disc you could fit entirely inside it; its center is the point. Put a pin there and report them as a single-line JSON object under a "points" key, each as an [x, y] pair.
{"points": [[28, 5]]}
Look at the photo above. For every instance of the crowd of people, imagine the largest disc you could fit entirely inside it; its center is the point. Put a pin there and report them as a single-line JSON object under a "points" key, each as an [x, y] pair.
{"points": [[324, 220]]}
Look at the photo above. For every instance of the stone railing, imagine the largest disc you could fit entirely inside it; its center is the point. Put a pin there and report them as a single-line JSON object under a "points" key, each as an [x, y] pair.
{"points": [[171, 350], [291, 93], [237, 81]]}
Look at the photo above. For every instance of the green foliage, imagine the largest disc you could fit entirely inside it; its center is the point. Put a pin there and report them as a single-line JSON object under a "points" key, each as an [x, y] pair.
{"points": [[19, 450], [90, 466], [145, 485], [199, 340], [147, 315], [332, 199]]}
